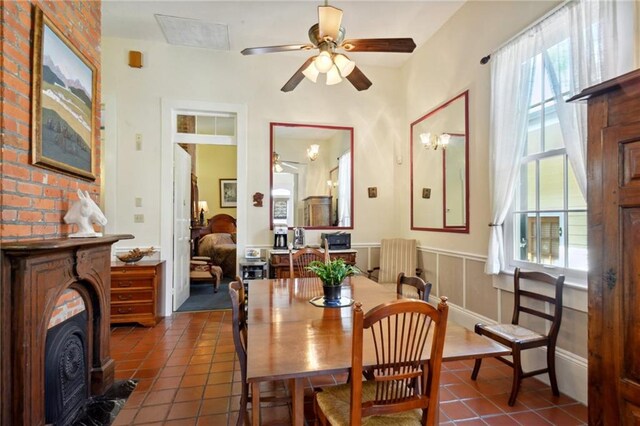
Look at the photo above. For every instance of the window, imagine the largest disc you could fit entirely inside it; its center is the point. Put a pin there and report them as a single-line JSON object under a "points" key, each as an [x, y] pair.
{"points": [[538, 141], [199, 127], [548, 217]]}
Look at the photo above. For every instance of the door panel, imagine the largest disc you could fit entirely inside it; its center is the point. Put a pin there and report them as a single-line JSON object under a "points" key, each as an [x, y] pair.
{"points": [[621, 272], [181, 225]]}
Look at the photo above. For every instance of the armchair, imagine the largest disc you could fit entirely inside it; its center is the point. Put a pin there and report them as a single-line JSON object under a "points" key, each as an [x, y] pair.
{"points": [[397, 256]]}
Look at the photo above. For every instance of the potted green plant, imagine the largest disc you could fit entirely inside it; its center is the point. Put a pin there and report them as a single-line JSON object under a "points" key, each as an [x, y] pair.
{"points": [[332, 273]]}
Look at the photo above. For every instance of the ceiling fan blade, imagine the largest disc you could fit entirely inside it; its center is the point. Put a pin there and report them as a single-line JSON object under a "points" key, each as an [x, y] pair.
{"points": [[359, 80], [329, 20], [273, 49], [284, 163], [399, 45], [297, 77]]}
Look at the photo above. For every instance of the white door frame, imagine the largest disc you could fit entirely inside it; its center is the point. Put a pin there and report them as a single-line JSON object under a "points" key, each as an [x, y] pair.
{"points": [[169, 106]]}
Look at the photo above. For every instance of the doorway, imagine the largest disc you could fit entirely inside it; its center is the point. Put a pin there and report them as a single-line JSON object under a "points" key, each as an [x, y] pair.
{"points": [[170, 110]]}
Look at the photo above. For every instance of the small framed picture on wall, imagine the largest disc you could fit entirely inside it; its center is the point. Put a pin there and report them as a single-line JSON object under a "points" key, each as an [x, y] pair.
{"points": [[228, 193]]}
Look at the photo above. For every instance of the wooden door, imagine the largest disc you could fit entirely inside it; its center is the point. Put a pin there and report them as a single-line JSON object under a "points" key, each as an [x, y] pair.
{"points": [[619, 375]]}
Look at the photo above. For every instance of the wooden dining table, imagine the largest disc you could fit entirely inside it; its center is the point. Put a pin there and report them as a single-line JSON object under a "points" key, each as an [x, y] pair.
{"points": [[291, 339]]}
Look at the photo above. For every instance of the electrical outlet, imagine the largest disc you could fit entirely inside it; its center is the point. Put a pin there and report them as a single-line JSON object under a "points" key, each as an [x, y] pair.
{"points": [[138, 201], [138, 141], [138, 218]]}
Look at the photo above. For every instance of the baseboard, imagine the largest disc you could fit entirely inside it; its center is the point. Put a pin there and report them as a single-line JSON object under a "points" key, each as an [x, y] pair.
{"points": [[571, 370]]}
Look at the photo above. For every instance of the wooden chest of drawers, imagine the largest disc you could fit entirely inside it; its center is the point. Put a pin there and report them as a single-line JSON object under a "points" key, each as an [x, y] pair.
{"points": [[279, 261], [134, 292]]}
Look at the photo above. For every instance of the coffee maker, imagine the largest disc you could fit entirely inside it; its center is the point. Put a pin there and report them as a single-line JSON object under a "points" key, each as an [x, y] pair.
{"points": [[280, 237], [298, 238]]}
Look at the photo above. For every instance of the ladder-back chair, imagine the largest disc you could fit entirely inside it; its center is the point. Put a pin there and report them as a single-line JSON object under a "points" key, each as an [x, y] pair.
{"points": [[519, 338], [412, 287], [239, 324]]}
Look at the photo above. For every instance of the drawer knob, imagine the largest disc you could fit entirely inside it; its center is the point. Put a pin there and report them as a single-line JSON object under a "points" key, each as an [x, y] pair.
{"points": [[125, 297], [124, 310]]}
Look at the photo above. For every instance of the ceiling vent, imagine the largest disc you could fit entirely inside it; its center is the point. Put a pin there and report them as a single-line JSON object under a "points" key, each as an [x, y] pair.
{"points": [[194, 33]]}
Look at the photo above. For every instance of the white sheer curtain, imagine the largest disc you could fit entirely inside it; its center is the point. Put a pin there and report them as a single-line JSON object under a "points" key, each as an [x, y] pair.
{"points": [[597, 36], [344, 190], [511, 83], [594, 33]]}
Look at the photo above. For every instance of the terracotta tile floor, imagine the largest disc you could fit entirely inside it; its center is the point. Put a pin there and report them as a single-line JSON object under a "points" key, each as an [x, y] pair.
{"points": [[188, 376]]}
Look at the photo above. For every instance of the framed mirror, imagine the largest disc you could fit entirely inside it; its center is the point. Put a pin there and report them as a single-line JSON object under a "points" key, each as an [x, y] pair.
{"points": [[440, 168], [311, 176]]}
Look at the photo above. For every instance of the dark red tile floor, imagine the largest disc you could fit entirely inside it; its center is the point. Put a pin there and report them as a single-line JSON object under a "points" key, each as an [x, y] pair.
{"points": [[188, 376]]}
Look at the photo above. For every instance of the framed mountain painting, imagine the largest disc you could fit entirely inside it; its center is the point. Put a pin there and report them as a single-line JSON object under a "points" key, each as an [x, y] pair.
{"points": [[63, 108]]}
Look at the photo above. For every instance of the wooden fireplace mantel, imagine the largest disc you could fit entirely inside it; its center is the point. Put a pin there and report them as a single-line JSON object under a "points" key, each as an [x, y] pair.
{"points": [[34, 275]]}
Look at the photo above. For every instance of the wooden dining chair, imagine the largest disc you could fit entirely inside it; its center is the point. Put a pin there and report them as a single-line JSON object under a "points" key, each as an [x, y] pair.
{"points": [[519, 338], [402, 389], [412, 287], [238, 314], [299, 261]]}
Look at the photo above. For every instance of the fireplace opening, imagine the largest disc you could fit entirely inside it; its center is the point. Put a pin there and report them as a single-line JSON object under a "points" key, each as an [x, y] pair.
{"points": [[66, 370]]}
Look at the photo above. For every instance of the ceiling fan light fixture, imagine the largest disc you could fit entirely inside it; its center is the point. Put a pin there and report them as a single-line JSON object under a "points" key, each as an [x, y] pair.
{"points": [[344, 64], [330, 19], [311, 72], [333, 76], [323, 62]]}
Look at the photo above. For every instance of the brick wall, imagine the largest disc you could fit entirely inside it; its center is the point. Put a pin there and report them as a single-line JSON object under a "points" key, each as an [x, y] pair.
{"points": [[69, 304], [33, 200]]}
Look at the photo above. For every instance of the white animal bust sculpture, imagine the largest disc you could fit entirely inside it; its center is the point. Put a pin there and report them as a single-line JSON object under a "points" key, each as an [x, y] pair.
{"points": [[83, 213]]}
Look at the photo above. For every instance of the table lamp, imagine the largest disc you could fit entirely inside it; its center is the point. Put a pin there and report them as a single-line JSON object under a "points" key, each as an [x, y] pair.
{"points": [[202, 205]]}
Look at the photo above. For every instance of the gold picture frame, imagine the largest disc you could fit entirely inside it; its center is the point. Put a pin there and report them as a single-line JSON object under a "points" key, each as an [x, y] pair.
{"points": [[63, 119]]}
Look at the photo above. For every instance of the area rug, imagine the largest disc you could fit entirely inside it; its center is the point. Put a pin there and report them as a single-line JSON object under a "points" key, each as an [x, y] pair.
{"points": [[202, 297]]}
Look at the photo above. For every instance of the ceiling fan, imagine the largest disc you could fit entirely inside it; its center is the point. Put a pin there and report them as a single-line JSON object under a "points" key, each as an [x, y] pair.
{"points": [[328, 36], [278, 163]]}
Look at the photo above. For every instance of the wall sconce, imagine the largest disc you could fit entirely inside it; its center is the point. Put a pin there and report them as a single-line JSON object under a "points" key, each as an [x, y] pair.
{"points": [[204, 207], [313, 151], [432, 141], [277, 167]]}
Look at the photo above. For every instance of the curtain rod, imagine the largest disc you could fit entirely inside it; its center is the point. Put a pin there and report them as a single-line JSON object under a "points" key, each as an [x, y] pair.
{"points": [[547, 15]]}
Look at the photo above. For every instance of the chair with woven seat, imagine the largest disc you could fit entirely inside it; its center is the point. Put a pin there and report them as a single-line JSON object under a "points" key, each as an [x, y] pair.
{"points": [[239, 323], [202, 269], [299, 261], [401, 388], [412, 287], [397, 255], [519, 338]]}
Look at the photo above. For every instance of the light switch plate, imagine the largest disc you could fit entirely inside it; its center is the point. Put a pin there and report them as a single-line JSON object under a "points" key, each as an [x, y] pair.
{"points": [[138, 201]]}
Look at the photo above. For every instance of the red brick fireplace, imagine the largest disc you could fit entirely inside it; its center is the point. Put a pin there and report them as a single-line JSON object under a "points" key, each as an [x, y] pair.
{"points": [[34, 275]]}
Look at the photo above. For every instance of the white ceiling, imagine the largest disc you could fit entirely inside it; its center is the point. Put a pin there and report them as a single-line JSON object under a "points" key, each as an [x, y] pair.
{"points": [[269, 23]]}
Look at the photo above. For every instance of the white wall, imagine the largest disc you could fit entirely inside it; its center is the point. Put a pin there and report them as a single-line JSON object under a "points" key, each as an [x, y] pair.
{"points": [[228, 77], [445, 66]]}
